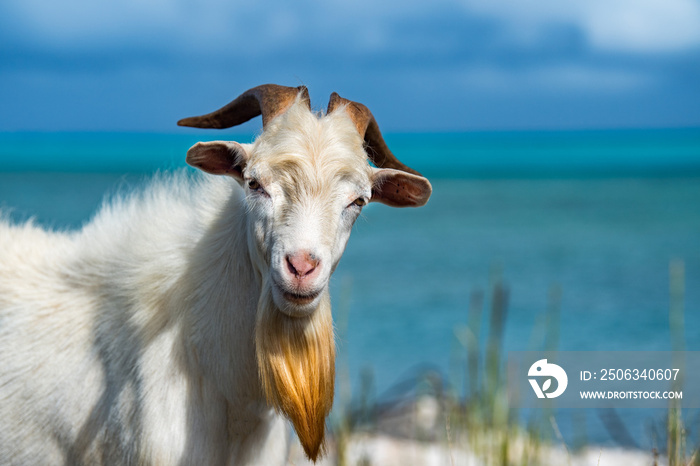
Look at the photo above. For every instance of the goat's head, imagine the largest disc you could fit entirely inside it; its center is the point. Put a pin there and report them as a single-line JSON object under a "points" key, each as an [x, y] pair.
{"points": [[306, 180]]}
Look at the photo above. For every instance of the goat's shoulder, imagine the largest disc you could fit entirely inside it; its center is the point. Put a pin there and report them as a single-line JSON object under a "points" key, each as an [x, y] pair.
{"points": [[27, 249]]}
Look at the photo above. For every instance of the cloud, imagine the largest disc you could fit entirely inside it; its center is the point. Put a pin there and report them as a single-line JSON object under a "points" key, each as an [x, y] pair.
{"points": [[135, 54], [71, 22], [636, 26], [355, 28]]}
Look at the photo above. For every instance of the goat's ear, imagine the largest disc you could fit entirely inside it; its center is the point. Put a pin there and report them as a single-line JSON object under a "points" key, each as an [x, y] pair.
{"points": [[219, 158], [397, 188]]}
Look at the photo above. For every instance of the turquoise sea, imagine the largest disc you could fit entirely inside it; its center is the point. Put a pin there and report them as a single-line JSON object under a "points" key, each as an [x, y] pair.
{"points": [[593, 218]]}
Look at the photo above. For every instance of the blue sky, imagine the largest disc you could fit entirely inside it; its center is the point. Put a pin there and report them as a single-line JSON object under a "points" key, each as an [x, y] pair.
{"points": [[444, 65]]}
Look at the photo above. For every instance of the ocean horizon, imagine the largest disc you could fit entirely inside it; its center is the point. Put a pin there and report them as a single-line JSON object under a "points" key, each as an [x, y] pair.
{"points": [[479, 154]]}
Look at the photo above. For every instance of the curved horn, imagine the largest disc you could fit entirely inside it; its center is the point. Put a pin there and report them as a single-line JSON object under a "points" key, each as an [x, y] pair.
{"points": [[366, 125], [268, 100]]}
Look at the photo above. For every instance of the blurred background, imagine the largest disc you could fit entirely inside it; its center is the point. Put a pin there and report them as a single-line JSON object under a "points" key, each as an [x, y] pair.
{"points": [[562, 139]]}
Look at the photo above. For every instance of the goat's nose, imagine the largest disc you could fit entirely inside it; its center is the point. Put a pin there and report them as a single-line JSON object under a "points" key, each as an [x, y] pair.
{"points": [[302, 264]]}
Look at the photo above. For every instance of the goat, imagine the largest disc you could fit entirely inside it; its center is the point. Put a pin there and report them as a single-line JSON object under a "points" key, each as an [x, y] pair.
{"points": [[182, 325]]}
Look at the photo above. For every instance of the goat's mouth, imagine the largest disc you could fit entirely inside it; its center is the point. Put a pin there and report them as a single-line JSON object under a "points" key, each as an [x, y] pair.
{"points": [[295, 302], [300, 298]]}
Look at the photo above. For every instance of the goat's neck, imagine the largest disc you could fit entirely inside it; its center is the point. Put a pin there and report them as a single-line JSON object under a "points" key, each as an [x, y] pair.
{"points": [[225, 291]]}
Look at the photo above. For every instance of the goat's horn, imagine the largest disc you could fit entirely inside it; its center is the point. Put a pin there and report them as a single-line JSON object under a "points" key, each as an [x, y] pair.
{"points": [[268, 100], [366, 125]]}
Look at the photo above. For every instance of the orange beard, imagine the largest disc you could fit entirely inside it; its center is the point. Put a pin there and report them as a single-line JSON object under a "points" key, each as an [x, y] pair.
{"points": [[296, 361]]}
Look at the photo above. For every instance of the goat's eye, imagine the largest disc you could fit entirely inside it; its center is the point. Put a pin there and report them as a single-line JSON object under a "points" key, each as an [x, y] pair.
{"points": [[359, 202], [253, 185]]}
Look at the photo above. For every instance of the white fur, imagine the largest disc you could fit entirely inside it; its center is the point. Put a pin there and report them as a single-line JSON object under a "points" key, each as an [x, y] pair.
{"points": [[131, 341], [124, 344]]}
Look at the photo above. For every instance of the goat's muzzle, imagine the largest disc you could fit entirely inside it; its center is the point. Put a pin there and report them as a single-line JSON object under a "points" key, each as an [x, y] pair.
{"points": [[297, 283]]}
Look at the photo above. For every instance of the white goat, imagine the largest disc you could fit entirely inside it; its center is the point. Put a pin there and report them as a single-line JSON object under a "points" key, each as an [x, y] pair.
{"points": [[182, 324]]}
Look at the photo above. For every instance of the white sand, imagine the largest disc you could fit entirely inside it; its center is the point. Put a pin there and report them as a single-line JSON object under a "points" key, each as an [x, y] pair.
{"points": [[382, 450]]}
